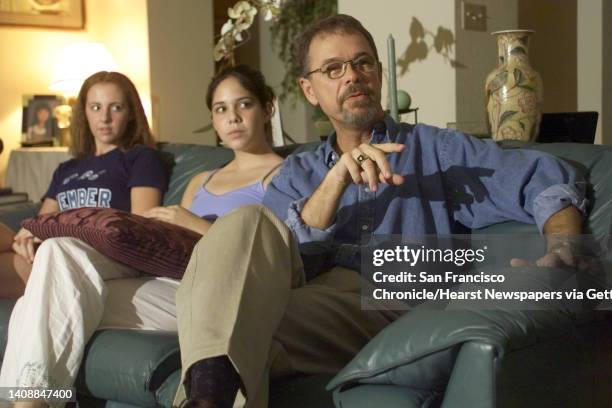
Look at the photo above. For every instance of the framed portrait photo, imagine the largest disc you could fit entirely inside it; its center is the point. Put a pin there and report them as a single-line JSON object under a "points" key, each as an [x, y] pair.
{"points": [[65, 14], [38, 125]]}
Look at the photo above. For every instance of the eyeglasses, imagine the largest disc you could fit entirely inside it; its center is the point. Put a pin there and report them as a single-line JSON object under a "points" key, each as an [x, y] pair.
{"points": [[335, 70]]}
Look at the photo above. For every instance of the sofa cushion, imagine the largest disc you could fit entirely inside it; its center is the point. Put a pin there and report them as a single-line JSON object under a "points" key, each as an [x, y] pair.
{"points": [[130, 366], [295, 392], [367, 396], [150, 246], [166, 392], [11, 215]]}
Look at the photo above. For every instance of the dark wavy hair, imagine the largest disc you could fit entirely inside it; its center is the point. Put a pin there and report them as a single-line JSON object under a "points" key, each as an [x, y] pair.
{"points": [[339, 23], [250, 79], [82, 143]]}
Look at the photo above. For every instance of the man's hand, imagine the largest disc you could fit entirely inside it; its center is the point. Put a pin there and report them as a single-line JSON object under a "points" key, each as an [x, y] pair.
{"points": [[24, 244], [366, 164], [562, 232]]}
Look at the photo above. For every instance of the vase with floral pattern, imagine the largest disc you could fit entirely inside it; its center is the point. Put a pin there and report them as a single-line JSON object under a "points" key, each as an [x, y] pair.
{"points": [[514, 91]]}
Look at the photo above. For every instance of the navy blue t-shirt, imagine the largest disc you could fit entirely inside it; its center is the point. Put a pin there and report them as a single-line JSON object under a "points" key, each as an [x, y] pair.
{"points": [[105, 180]]}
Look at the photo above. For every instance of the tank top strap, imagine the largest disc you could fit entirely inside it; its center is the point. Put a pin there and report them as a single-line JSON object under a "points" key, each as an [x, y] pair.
{"points": [[212, 173], [270, 172]]}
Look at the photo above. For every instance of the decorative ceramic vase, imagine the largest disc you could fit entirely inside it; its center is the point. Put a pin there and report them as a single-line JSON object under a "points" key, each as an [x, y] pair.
{"points": [[514, 90]]}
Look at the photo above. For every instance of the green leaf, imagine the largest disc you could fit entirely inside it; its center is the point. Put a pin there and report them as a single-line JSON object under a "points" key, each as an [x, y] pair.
{"points": [[294, 17], [518, 50], [505, 116]]}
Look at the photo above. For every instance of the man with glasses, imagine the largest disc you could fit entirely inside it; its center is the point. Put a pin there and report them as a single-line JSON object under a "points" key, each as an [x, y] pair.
{"points": [[275, 300]]}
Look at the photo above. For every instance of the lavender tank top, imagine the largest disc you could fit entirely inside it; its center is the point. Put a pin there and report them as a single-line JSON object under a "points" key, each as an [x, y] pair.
{"points": [[211, 206]]}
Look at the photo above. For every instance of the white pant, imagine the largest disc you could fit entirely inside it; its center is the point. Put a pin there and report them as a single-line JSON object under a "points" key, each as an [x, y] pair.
{"points": [[74, 290]]}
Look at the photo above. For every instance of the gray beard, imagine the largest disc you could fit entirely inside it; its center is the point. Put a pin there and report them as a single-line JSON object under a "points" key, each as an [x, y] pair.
{"points": [[360, 118]]}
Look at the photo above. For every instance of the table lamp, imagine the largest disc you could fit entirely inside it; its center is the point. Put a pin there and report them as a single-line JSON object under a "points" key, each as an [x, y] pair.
{"points": [[77, 62]]}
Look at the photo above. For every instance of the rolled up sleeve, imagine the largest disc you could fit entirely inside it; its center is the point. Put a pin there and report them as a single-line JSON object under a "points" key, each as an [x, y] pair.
{"points": [[516, 184], [303, 232], [556, 198]]}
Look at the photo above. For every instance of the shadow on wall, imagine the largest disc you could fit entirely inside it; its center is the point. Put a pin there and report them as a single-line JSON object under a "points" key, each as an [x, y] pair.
{"points": [[418, 49]]}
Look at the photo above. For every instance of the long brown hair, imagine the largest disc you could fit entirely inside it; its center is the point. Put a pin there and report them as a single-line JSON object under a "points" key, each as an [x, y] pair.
{"points": [[82, 143]]}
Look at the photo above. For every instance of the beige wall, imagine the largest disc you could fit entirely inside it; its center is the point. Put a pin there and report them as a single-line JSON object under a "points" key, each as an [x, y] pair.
{"points": [[477, 51], [590, 62], [28, 55], [431, 81], [181, 40], [296, 118], [606, 103]]}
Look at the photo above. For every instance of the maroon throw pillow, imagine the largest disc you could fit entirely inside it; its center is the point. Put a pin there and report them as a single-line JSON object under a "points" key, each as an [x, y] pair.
{"points": [[151, 246]]}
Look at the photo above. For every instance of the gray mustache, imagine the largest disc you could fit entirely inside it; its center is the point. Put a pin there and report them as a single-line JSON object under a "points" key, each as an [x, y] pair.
{"points": [[355, 88]]}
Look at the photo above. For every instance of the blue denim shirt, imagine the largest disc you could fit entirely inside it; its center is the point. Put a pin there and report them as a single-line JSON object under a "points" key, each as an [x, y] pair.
{"points": [[452, 182]]}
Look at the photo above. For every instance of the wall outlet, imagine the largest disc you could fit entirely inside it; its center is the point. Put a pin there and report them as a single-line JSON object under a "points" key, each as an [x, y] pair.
{"points": [[473, 16]]}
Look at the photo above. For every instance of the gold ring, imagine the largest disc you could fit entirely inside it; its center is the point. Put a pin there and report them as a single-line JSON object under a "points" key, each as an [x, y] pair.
{"points": [[362, 157]]}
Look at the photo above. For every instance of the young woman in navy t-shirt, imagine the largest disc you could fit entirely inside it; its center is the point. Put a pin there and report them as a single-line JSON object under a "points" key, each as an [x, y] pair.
{"points": [[88, 289], [115, 165]]}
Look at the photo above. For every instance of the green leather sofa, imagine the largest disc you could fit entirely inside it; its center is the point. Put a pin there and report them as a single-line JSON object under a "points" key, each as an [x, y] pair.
{"points": [[425, 359]]}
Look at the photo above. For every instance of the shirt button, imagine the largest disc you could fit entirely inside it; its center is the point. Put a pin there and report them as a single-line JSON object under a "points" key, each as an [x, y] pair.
{"points": [[364, 227], [367, 189]]}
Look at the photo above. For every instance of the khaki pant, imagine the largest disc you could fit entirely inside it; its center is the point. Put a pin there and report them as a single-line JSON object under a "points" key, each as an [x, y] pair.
{"points": [[243, 295]]}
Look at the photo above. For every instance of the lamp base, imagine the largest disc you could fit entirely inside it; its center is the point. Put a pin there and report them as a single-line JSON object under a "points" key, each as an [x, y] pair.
{"points": [[64, 137]]}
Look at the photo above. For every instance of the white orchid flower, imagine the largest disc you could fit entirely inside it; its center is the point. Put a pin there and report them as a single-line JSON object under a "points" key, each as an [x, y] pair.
{"points": [[271, 9], [240, 8], [227, 27], [246, 19], [242, 15]]}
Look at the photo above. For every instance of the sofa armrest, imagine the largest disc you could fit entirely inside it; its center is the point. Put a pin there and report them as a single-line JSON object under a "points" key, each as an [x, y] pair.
{"points": [[128, 365], [419, 350], [12, 215]]}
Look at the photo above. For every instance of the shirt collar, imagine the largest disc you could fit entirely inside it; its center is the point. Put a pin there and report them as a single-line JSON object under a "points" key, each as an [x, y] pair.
{"points": [[382, 132]]}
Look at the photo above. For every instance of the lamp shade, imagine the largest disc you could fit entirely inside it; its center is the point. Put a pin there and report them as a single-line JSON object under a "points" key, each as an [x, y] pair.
{"points": [[77, 62]]}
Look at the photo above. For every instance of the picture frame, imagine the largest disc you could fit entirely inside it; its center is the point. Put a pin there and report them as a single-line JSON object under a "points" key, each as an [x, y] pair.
{"points": [[62, 14], [38, 125]]}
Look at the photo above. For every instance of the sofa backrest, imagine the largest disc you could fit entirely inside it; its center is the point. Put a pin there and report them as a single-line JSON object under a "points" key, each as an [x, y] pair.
{"points": [[187, 160], [594, 161]]}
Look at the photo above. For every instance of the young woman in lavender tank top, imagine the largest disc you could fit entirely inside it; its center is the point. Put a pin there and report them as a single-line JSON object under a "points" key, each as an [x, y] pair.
{"points": [[241, 106]]}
